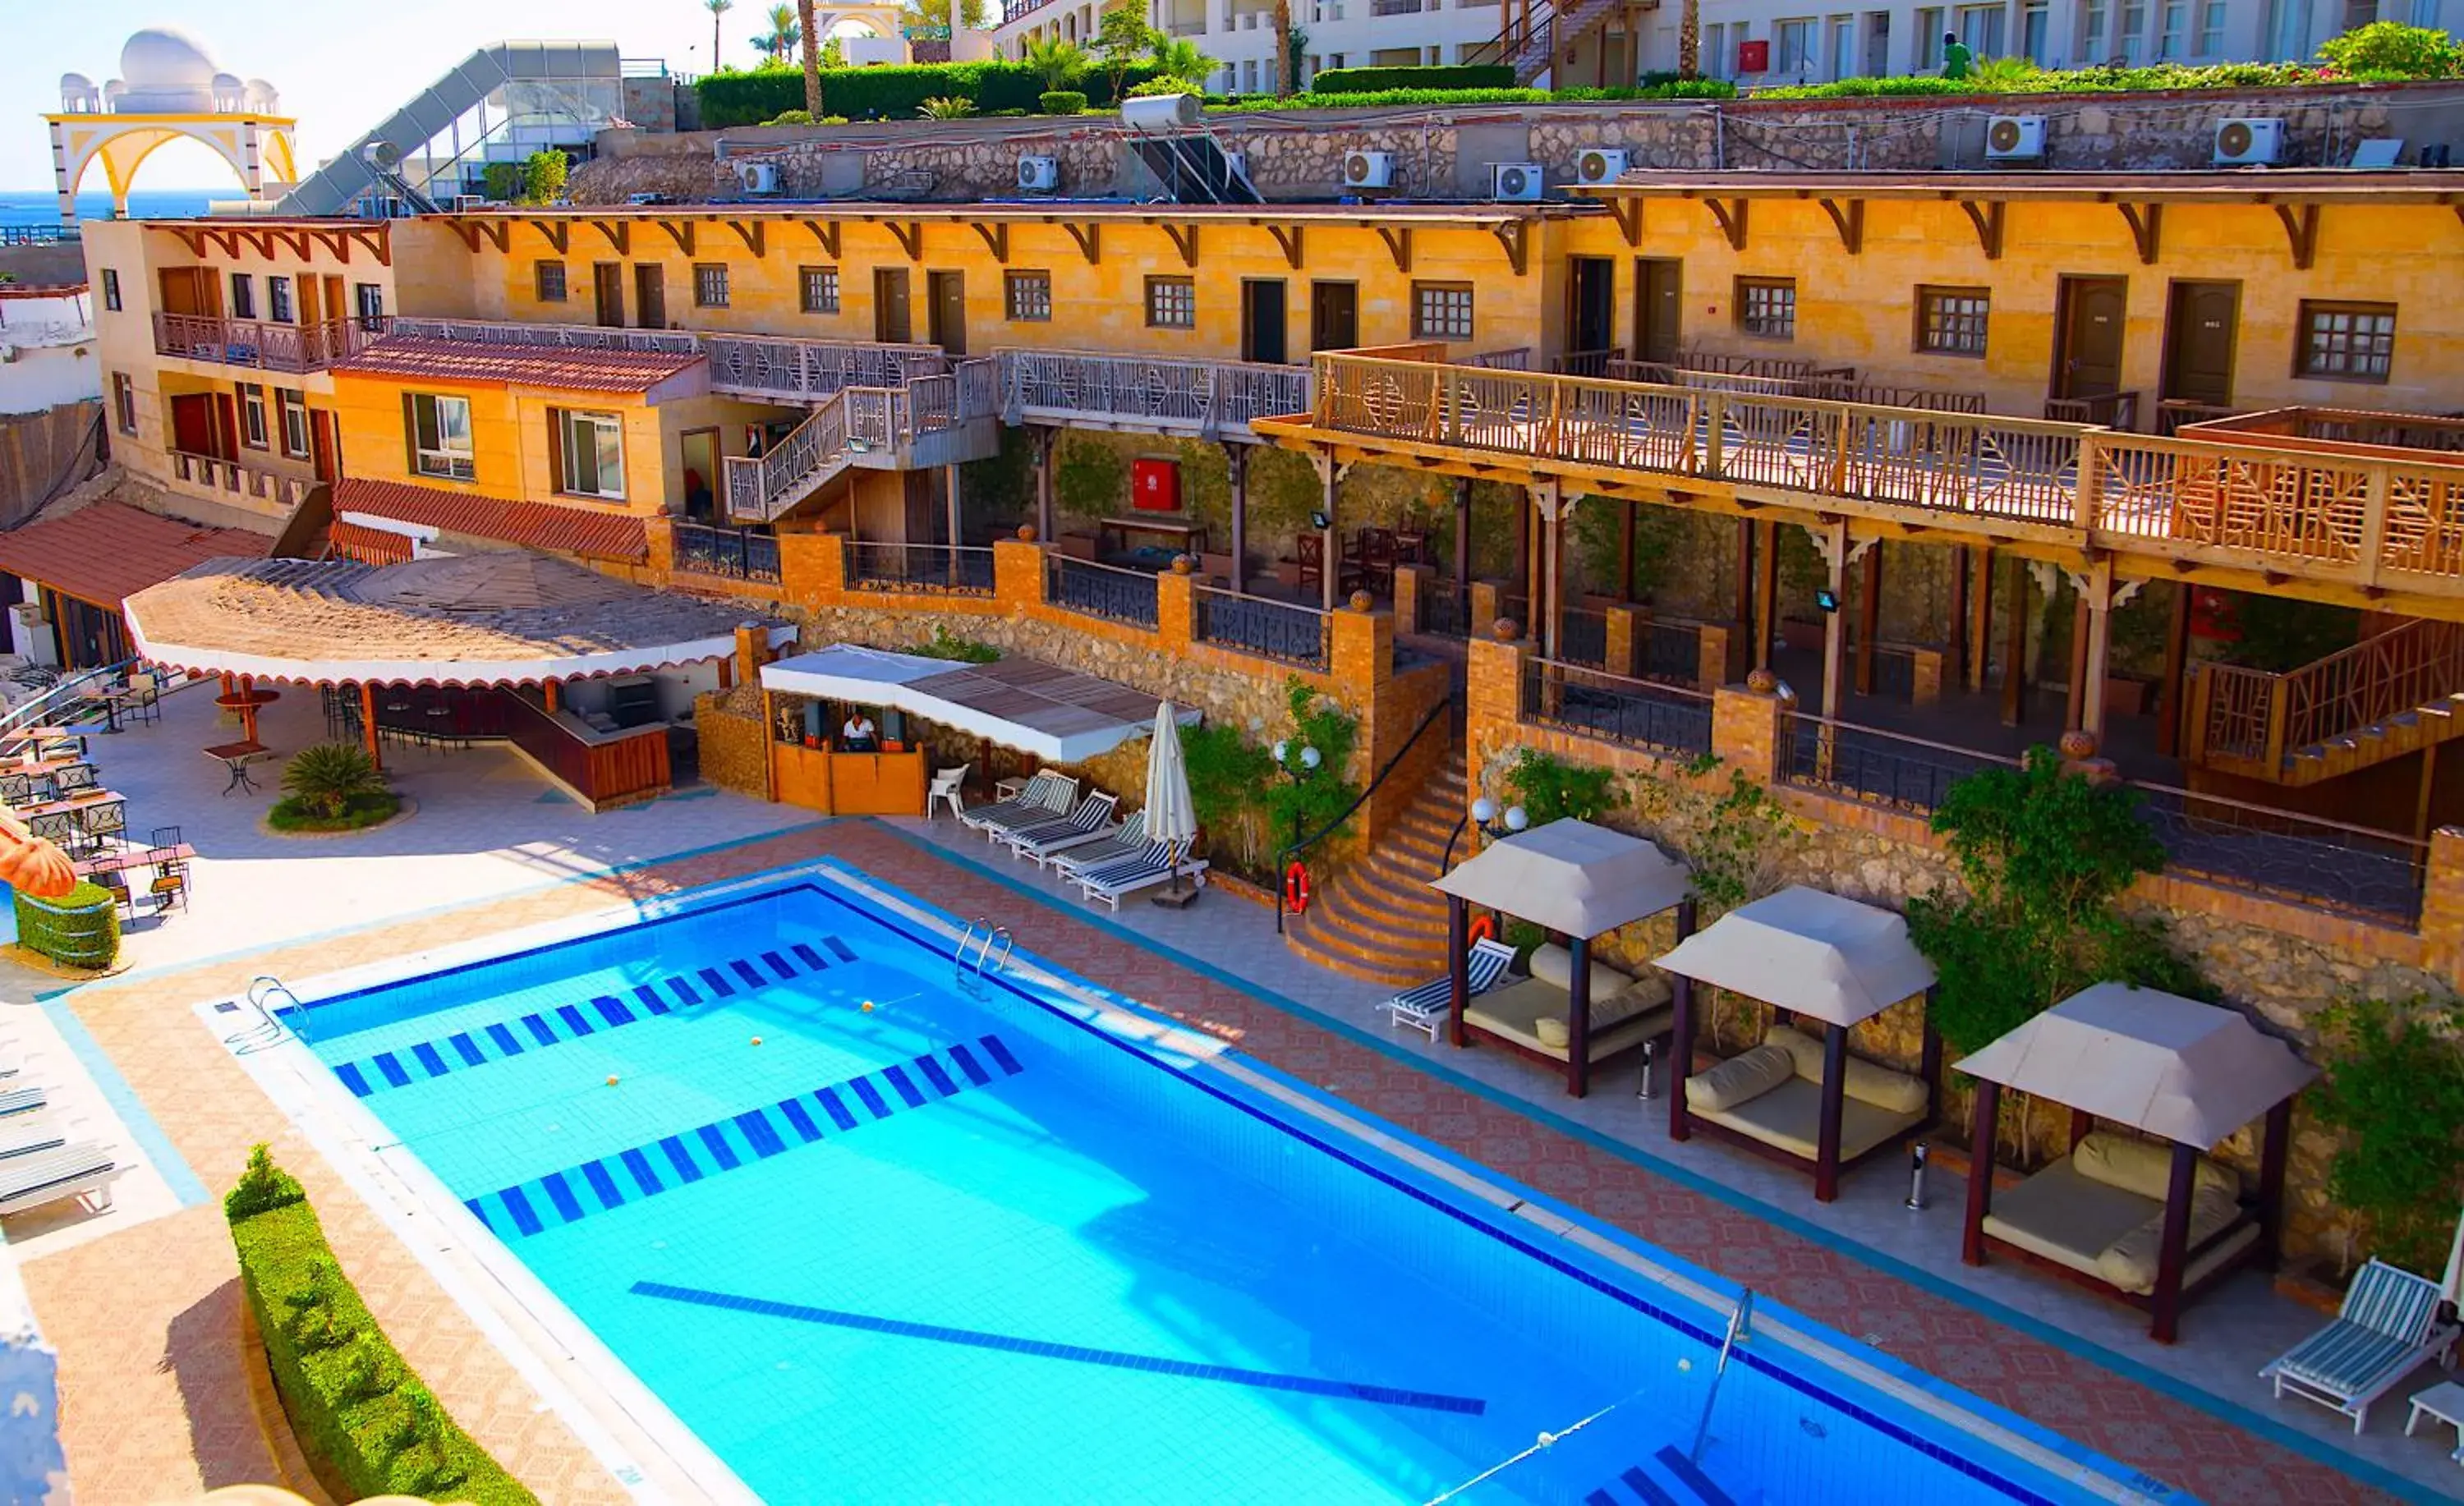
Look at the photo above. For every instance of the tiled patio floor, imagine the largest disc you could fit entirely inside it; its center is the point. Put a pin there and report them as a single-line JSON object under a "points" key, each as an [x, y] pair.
{"points": [[147, 1318]]}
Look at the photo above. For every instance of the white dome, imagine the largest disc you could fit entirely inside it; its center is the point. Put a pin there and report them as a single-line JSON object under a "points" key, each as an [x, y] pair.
{"points": [[262, 98], [74, 83], [169, 73], [77, 94]]}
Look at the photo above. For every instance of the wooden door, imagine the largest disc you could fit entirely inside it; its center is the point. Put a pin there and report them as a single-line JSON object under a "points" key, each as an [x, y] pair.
{"points": [[336, 298], [321, 444], [1591, 313], [2088, 361], [192, 423], [946, 292], [312, 302], [698, 452], [2201, 322], [607, 295], [1334, 316], [190, 290], [1262, 320], [890, 324], [1658, 308], [651, 295]]}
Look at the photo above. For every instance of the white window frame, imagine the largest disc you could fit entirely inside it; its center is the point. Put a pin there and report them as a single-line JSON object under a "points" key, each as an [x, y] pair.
{"points": [[600, 435], [252, 432], [294, 411], [243, 295], [452, 457], [278, 306]]}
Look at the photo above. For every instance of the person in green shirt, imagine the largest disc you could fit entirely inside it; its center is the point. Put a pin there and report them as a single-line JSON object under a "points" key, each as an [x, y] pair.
{"points": [[1955, 57]]}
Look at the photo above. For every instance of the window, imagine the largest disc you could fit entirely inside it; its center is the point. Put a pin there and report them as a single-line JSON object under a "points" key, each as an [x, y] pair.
{"points": [[710, 285], [277, 299], [1930, 34], [1712, 54], [251, 415], [440, 436], [294, 423], [124, 401], [1767, 307], [369, 298], [2035, 23], [1172, 303], [1980, 27], [590, 449], [821, 289], [1028, 295], [1950, 321], [111, 290], [1792, 47], [2174, 18], [2133, 21], [243, 295], [548, 277], [2347, 341], [2211, 29], [1441, 311], [2090, 32]]}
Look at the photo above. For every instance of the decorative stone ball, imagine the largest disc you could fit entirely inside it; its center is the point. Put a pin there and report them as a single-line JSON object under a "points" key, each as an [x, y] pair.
{"points": [[1361, 601], [1026, 533], [1762, 682], [1505, 629], [2078, 743], [1183, 564]]}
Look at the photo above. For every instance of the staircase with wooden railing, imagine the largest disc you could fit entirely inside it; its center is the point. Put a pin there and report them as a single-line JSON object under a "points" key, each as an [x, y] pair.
{"points": [[2391, 695], [891, 427], [1534, 36]]}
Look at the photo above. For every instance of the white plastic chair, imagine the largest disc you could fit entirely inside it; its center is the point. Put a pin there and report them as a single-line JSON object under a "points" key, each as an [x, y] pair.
{"points": [[945, 790]]}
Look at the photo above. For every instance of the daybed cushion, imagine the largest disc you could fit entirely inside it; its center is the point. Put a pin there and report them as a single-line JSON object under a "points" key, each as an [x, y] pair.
{"points": [[1864, 1082], [1611, 989], [2073, 1220], [1789, 1118], [1744, 1075], [2130, 1261], [1514, 1010], [2144, 1166]]}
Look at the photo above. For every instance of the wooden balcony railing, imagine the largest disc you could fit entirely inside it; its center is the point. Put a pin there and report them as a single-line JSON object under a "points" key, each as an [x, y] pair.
{"points": [[2254, 714], [257, 344], [207, 475], [1205, 398], [740, 365]]}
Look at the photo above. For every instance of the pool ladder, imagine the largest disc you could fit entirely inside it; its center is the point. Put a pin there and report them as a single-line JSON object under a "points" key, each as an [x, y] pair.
{"points": [[1741, 1322], [267, 1030], [982, 935]]}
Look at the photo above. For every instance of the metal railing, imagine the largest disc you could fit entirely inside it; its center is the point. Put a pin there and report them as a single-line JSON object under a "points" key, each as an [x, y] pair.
{"points": [[1446, 612], [1514, 358], [760, 488], [1099, 590], [257, 344], [2288, 855], [1637, 712], [2106, 409], [559, 336], [1583, 637], [739, 554], [1895, 671], [1588, 362], [1441, 711], [809, 370], [1298, 635], [1879, 768], [1202, 396], [958, 569], [1669, 651], [228, 477]]}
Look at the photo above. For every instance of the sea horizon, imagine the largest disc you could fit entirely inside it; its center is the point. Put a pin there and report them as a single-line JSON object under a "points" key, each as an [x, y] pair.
{"points": [[40, 206]]}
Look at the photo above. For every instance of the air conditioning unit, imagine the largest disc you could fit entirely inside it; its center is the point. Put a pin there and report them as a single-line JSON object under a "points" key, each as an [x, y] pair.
{"points": [[1600, 164], [2014, 139], [2248, 142], [757, 177], [465, 202], [1039, 174], [1369, 170], [1517, 182], [381, 207]]}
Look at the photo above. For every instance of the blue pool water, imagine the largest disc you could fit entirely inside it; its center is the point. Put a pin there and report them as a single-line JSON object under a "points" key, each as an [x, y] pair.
{"points": [[987, 1247]]}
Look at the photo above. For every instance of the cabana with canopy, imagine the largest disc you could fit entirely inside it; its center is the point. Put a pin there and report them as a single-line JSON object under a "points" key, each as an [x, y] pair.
{"points": [[1581, 881], [2149, 1223], [1793, 1098]]}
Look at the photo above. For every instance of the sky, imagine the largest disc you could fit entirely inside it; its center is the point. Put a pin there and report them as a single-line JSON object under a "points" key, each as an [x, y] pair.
{"points": [[341, 67]]}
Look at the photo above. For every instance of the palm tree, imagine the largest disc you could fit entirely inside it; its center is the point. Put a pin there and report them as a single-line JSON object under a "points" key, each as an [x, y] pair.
{"points": [[811, 35], [1056, 60], [1178, 59], [784, 34], [716, 9], [1690, 41]]}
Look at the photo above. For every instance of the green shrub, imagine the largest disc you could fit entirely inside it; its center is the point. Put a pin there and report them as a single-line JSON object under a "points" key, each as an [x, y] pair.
{"points": [[364, 1419], [1551, 789], [1687, 89], [946, 107], [791, 118], [2390, 50], [325, 778], [358, 814], [885, 94], [1379, 81], [2394, 1084], [946, 644], [1061, 101], [80, 928]]}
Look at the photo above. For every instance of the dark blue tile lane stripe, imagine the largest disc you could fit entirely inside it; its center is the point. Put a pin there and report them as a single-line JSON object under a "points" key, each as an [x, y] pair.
{"points": [[567, 1207], [808, 956], [778, 965], [644, 1177], [519, 1207], [798, 1120], [391, 1067], [751, 974], [683, 990], [871, 1097], [719, 1150], [966, 1060], [1000, 1055], [1184, 1369], [467, 1049], [538, 1028], [504, 1040], [1690, 1476], [1644, 1486], [1599, 1499], [478, 1212], [604, 1185], [838, 1111], [573, 1021], [612, 1010], [349, 1073], [755, 1129], [711, 980], [838, 949], [936, 1073], [897, 1078], [681, 1159], [651, 1000], [428, 1060]]}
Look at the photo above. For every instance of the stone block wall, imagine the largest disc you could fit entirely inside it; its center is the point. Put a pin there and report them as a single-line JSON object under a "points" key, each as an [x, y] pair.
{"points": [[734, 745]]}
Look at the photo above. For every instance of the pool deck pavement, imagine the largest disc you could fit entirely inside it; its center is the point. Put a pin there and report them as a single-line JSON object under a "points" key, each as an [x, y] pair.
{"points": [[143, 1303]]}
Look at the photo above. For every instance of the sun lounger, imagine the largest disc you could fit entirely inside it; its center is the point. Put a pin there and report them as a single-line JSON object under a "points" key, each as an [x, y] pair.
{"points": [[16, 1102], [1127, 840], [2387, 1326], [50, 1176], [1045, 796], [1082, 825], [1113, 881], [1424, 1006]]}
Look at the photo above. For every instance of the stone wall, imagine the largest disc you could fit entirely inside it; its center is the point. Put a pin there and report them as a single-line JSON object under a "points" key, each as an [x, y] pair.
{"points": [[734, 745]]}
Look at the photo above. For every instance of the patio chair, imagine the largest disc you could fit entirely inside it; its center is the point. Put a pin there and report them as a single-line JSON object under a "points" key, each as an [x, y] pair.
{"points": [[116, 885], [1422, 1008], [144, 701], [1127, 840], [170, 885], [50, 1176], [1159, 863], [1082, 825], [1047, 795], [2388, 1324], [945, 790]]}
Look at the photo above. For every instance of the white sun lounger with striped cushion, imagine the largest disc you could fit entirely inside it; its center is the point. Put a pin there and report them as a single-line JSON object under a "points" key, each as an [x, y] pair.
{"points": [[1150, 867], [1127, 840], [2387, 1326], [1422, 1006], [18, 1101], [51, 1175], [1082, 825], [1045, 796]]}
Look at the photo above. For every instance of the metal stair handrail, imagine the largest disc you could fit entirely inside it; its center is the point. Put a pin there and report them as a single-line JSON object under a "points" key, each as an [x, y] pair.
{"points": [[1284, 859], [18, 715]]}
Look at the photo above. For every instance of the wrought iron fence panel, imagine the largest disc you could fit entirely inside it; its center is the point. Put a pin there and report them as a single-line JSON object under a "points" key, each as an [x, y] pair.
{"points": [[1635, 711], [739, 554], [964, 569], [2281, 853], [1271, 630], [1874, 766], [1098, 590]]}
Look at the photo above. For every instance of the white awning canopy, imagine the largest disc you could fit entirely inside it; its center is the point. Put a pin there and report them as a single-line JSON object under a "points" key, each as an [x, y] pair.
{"points": [[1571, 877], [1808, 951], [1059, 715], [2188, 1072]]}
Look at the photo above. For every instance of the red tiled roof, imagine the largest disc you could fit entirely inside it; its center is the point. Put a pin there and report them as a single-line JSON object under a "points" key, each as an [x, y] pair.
{"points": [[532, 525], [109, 551], [370, 546], [572, 370]]}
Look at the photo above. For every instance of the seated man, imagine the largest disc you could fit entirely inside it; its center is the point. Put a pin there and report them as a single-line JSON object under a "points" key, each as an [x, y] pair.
{"points": [[858, 734]]}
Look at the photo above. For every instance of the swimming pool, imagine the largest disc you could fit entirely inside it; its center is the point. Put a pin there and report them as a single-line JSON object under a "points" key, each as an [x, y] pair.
{"points": [[873, 1232]]}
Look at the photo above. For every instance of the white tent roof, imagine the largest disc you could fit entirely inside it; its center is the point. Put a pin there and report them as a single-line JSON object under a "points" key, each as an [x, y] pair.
{"points": [[1572, 877], [1805, 951], [1057, 715], [2174, 1067]]}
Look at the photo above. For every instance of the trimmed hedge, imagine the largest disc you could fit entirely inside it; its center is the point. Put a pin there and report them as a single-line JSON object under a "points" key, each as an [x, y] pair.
{"points": [[1689, 89], [2003, 76], [80, 928], [887, 93], [1061, 101], [365, 1421], [1378, 80]]}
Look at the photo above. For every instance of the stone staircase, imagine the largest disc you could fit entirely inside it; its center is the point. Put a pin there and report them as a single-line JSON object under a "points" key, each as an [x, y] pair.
{"points": [[1379, 919]]}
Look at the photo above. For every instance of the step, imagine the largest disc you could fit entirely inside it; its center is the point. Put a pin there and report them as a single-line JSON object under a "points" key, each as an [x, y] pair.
{"points": [[1373, 925], [1378, 957]]}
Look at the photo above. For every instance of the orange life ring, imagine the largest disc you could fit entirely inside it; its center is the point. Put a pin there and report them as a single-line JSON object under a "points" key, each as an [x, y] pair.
{"points": [[1483, 928], [1296, 888]]}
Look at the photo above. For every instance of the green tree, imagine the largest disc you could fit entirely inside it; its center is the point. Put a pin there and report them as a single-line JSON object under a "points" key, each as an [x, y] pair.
{"points": [[716, 9], [809, 32], [1179, 60], [2394, 1084], [782, 37], [1304, 804], [328, 777], [501, 182], [1059, 62], [1122, 39], [2390, 50], [973, 15], [543, 175]]}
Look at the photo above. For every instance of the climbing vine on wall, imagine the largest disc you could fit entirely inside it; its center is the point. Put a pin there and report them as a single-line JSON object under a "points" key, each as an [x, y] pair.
{"points": [[2394, 1084]]}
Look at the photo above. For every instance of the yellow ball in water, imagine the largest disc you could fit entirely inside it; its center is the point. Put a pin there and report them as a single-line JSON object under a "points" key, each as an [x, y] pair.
{"points": [[612, 1080], [868, 1006], [756, 1040]]}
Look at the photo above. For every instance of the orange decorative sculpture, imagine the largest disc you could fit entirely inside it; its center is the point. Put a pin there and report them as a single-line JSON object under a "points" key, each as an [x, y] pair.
{"points": [[31, 864]]}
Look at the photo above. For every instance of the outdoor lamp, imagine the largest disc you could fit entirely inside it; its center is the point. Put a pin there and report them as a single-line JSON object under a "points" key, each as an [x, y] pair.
{"points": [[1517, 817], [1280, 748], [1484, 810], [1310, 757]]}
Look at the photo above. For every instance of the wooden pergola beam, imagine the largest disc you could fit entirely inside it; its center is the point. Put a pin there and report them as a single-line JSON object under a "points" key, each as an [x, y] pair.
{"points": [[826, 233], [2302, 231], [1289, 238]]}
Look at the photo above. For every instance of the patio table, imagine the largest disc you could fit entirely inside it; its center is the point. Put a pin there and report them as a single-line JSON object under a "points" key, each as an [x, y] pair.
{"points": [[236, 757], [134, 858], [91, 814]]}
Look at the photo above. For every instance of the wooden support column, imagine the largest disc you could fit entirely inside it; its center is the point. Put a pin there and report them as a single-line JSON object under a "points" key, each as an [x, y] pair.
{"points": [[2099, 643], [1462, 543], [1979, 625], [2177, 666], [1235, 466], [1955, 671], [1548, 602], [1834, 622], [1835, 1092], [2014, 665], [1331, 535], [1457, 967], [369, 724], [1982, 1120], [949, 481], [1743, 612], [2275, 1148], [2075, 706], [1765, 616], [1869, 617], [1578, 1018], [1625, 551], [2172, 1248], [1044, 446]]}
